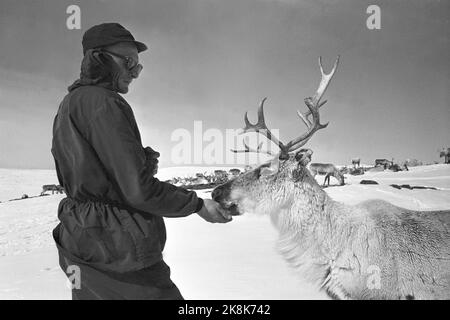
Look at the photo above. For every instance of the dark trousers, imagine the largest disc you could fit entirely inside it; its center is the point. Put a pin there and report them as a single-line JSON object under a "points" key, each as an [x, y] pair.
{"points": [[152, 283]]}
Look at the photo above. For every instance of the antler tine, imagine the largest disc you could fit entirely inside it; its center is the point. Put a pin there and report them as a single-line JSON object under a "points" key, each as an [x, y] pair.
{"points": [[261, 127], [325, 80], [308, 113], [248, 149], [312, 128], [313, 105], [304, 118], [260, 124]]}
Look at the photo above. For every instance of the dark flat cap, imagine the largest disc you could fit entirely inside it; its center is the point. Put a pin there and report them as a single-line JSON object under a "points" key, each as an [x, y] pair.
{"points": [[106, 34]]}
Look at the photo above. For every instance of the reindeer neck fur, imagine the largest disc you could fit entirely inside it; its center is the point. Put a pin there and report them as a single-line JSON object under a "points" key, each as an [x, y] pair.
{"points": [[315, 230], [309, 206]]}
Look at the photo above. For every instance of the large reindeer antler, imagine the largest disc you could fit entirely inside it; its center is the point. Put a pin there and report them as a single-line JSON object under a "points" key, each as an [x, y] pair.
{"points": [[261, 128], [313, 104]]}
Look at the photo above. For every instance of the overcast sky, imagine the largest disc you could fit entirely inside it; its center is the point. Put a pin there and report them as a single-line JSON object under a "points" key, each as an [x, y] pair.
{"points": [[213, 60]]}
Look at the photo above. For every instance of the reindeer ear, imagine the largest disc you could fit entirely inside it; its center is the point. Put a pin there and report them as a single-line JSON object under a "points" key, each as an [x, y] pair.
{"points": [[303, 156], [272, 168]]}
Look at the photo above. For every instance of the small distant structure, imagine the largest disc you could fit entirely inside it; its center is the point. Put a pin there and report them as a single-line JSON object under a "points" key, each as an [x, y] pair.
{"points": [[385, 163], [389, 165], [24, 196], [53, 188]]}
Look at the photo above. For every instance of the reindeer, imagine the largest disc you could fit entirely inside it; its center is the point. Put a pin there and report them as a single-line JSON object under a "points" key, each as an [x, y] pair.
{"points": [[233, 173], [221, 176], [356, 161], [200, 178], [327, 169], [53, 188], [372, 250], [445, 153]]}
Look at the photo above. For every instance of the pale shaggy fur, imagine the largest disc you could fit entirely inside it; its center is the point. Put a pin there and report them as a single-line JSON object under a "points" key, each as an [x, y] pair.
{"points": [[373, 250]]}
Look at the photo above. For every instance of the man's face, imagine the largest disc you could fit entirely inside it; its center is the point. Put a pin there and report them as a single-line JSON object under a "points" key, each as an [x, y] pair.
{"points": [[129, 50]]}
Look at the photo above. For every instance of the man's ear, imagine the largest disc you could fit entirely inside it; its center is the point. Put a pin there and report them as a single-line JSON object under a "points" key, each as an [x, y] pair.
{"points": [[104, 58]]}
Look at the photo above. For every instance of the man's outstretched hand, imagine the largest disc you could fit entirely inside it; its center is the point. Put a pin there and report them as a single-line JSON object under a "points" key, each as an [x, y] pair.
{"points": [[213, 212]]}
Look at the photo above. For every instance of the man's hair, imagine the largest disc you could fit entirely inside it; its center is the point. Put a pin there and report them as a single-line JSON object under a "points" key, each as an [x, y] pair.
{"points": [[97, 67]]}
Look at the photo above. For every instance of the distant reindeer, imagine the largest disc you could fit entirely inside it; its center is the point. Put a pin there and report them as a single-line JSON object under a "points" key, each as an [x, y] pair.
{"points": [[200, 178], [221, 176], [53, 188], [233, 173], [405, 165], [327, 169], [372, 250], [445, 153], [176, 181], [356, 161]]}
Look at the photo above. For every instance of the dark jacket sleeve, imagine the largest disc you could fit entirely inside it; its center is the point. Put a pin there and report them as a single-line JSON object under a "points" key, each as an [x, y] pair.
{"points": [[111, 134]]}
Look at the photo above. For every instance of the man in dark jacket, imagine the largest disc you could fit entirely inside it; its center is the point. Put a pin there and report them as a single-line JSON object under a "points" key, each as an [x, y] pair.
{"points": [[111, 222]]}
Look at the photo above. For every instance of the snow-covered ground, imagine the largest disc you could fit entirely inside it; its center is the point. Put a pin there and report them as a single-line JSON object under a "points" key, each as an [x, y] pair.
{"points": [[237, 260]]}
